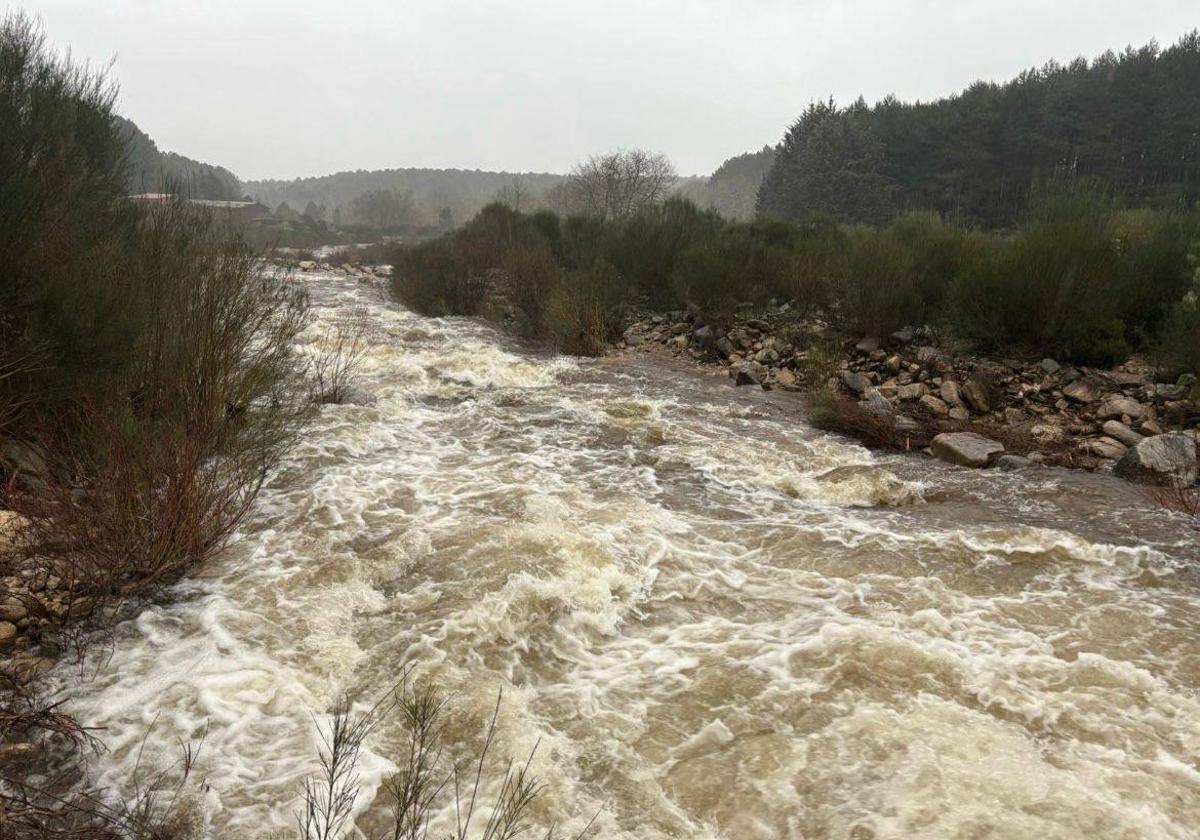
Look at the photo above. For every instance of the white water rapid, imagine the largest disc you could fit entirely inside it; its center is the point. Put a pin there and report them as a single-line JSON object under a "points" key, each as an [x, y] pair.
{"points": [[709, 634]]}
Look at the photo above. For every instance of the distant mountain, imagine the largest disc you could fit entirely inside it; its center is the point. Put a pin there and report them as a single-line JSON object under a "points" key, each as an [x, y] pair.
{"points": [[152, 170]]}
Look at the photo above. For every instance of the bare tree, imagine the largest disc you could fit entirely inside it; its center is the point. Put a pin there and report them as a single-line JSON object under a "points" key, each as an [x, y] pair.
{"points": [[620, 183]]}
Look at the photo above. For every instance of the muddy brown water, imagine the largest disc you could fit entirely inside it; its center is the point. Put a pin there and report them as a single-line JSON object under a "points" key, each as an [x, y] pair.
{"points": [[708, 634]]}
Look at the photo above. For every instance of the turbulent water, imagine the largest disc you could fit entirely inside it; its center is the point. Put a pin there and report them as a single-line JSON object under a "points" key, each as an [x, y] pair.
{"points": [[713, 620]]}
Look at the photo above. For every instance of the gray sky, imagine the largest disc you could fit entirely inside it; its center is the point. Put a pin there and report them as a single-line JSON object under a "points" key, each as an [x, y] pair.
{"points": [[282, 88]]}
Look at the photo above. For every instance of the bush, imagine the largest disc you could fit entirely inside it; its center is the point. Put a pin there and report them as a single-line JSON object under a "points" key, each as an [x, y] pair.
{"points": [[584, 311], [1054, 286], [877, 293]]}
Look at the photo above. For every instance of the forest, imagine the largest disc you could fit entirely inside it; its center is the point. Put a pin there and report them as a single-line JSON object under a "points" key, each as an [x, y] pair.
{"points": [[1128, 122]]}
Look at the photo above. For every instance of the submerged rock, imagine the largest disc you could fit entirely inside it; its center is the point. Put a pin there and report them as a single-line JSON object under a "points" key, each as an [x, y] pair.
{"points": [[966, 449]]}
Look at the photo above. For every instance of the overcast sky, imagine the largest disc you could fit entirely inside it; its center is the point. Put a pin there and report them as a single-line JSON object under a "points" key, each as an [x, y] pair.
{"points": [[283, 88]]}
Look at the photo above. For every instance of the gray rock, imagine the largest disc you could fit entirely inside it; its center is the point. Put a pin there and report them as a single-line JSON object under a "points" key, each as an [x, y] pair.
{"points": [[876, 402], [976, 396], [724, 347], [8, 634], [13, 610], [1116, 406], [950, 394], [1082, 392], [633, 339], [1106, 447], [935, 405], [904, 335], [703, 336], [1049, 366], [766, 356], [867, 345], [746, 377], [1119, 431], [1162, 459], [1012, 463], [911, 392], [681, 328], [966, 449], [959, 413], [906, 425], [856, 382]]}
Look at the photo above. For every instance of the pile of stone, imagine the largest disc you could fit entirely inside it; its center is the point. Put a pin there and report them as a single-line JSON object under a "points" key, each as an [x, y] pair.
{"points": [[31, 604], [1121, 419]]}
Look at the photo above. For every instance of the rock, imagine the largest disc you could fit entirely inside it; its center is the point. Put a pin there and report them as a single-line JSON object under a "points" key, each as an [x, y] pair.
{"points": [[27, 462], [876, 402], [959, 413], [786, 379], [966, 449], [906, 425], [307, 265], [1106, 447], [681, 328], [911, 392], [1162, 459], [1117, 406], [745, 377], [867, 345], [10, 524], [766, 356], [704, 337], [633, 339], [904, 335], [8, 634], [935, 405], [929, 356], [856, 382], [1011, 463], [1119, 431], [1149, 427], [13, 610], [1049, 366], [1014, 416], [976, 396], [724, 347], [1082, 392], [949, 393], [892, 365]]}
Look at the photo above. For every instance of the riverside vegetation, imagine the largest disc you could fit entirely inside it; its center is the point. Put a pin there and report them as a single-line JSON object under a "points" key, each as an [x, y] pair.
{"points": [[149, 383]]}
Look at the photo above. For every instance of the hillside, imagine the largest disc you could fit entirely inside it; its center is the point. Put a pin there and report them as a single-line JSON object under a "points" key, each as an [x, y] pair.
{"points": [[1130, 122], [151, 170]]}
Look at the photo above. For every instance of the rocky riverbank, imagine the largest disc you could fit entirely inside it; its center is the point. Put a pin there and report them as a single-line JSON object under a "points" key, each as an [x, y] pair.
{"points": [[917, 390]]}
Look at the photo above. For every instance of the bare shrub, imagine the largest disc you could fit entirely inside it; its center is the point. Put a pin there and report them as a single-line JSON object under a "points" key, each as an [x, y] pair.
{"points": [[342, 349], [836, 412], [423, 782]]}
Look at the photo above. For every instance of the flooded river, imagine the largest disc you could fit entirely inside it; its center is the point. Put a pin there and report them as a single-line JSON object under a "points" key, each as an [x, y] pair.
{"points": [[708, 632]]}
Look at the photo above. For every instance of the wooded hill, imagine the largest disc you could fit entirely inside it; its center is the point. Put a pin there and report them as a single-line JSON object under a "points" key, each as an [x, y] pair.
{"points": [[1129, 122], [152, 170]]}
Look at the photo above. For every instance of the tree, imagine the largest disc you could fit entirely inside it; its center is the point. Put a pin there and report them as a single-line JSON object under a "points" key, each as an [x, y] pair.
{"points": [[830, 163], [382, 209], [514, 195], [618, 184]]}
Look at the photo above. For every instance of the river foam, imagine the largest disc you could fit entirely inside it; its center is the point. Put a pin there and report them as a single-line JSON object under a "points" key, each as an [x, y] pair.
{"points": [[714, 620]]}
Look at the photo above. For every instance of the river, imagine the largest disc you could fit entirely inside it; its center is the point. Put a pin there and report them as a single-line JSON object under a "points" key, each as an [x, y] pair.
{"points": [[706, 633]]}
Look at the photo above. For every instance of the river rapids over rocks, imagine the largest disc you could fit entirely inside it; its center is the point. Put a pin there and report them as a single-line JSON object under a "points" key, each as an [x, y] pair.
{"points": [[713, 620]]}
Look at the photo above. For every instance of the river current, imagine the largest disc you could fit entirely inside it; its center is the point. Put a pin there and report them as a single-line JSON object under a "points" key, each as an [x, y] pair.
{"points": [[714, 620]]}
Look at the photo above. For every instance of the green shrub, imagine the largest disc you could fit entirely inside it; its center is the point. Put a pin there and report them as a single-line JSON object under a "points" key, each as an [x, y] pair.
{"points": [[584, 311], [877, 293], [530, 273]]}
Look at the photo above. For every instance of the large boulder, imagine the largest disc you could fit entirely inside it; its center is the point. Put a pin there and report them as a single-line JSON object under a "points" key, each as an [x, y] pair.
{"points": [[1162, 459], [966, 449]]}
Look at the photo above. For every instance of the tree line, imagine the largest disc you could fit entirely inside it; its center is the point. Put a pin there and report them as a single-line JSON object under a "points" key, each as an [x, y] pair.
{"points": [[1129, 122]]}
